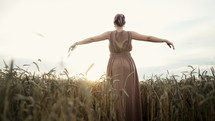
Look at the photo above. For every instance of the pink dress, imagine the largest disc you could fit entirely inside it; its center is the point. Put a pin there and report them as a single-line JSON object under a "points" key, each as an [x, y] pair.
{"points": [[121, 67]]}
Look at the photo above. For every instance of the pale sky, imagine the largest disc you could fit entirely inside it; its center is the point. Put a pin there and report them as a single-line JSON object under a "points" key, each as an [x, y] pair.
{"points": [[44, 29]]}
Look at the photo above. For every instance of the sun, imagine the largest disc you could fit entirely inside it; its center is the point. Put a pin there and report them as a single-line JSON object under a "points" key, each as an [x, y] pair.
{"points": [[90, 72], [93, 73]]}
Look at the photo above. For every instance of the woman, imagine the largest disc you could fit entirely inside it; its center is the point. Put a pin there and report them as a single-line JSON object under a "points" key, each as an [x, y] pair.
{"points": [[121, 66]]}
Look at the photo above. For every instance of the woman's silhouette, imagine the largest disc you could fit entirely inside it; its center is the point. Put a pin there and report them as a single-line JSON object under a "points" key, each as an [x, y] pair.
{"points": [[121, 66]]}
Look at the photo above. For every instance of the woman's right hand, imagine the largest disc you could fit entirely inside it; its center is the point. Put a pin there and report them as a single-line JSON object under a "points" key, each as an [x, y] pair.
{"points": [[72, 47]]}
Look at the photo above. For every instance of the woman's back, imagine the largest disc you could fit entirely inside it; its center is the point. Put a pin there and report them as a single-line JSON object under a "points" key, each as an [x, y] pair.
{"points": [[120, 41]]}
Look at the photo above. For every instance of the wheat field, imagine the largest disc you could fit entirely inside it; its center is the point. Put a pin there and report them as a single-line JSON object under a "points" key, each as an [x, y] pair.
{"points": [[26, 96]]}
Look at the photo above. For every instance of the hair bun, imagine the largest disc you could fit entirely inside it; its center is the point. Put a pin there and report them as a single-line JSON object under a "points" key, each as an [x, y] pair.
{"points": [[119, 20]]}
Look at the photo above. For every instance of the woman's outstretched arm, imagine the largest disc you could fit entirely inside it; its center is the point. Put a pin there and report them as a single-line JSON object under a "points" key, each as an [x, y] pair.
{"points": [[138, 36], [97, 38]]}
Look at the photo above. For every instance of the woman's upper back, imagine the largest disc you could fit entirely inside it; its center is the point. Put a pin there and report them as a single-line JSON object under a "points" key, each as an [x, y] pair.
{"points": [[120, 41]]}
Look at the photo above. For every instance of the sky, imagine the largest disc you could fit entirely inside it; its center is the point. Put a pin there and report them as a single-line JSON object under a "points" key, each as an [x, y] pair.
{"points": [[44, 29]]}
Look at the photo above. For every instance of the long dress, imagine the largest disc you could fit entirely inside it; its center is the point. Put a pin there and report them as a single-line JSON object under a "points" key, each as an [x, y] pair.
{"points": [[122, 69]]}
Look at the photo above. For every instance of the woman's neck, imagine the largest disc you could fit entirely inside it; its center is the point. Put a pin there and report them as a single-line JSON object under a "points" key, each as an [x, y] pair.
{"points": [[119, 29]]}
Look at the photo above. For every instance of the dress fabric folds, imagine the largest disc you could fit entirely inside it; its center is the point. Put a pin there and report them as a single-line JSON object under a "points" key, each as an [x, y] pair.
{"points": [[122, 69]]}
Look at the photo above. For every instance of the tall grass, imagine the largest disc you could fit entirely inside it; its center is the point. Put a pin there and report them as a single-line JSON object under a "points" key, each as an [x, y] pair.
{"points": [[25, 96], [189, 99]]}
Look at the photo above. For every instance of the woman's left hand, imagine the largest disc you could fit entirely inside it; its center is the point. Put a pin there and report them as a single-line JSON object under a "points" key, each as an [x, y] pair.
{"points": [[170, 44]]}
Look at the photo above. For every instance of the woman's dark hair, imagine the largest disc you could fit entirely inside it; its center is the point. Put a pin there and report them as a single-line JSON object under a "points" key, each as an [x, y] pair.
{"points": [[119, 20]]}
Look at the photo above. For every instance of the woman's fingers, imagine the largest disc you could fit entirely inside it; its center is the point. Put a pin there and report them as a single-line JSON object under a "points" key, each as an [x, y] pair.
{"points": [[71, 48], [170, 44], [173, 46]]}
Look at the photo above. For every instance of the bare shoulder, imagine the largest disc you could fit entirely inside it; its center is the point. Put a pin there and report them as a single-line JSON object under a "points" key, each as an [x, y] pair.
{"points": [[133, 33], [103, 36], [138, 36], [106, 34]]}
